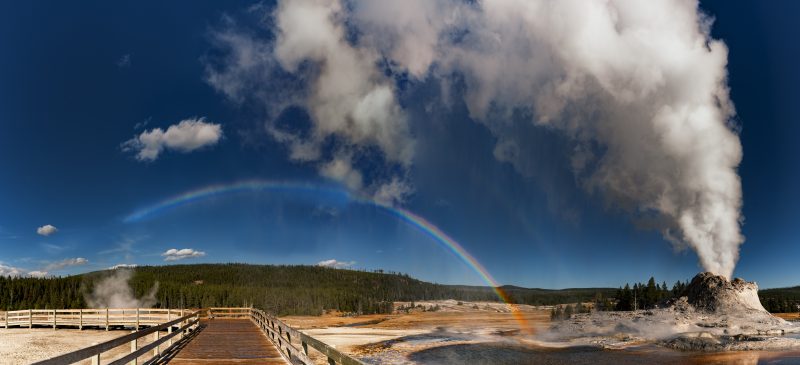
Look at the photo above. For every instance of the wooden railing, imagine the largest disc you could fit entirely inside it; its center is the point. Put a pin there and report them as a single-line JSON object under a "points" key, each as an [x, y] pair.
{"points": [[293, 344], [80, 318], [184, 324]]}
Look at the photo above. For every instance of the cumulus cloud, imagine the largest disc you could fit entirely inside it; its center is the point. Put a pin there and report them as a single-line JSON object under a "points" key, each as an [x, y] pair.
{"points": [[642, 97], [11, 271], [46, 230], [336, 264], [174, 254], [6, 270], [186, 136], [38, 274], [348, 98]]}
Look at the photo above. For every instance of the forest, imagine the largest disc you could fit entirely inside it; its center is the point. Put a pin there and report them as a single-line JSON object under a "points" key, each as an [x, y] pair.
{"points": [[311, 290], [280, 289]]}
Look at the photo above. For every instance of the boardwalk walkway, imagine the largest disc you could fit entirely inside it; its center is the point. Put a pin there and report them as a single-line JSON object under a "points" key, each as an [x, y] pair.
{"points": [[229, 341]]}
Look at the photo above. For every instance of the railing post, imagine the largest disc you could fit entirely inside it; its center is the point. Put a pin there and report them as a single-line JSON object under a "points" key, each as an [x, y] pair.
{"points": [[331, 361], [133, 349], [30, 318], [6, 319], [137, 319], [54, 318], [96, 359], [305, 347], [157, 350], [180, 325], [106, 319], [80, 319], [169, 330]]}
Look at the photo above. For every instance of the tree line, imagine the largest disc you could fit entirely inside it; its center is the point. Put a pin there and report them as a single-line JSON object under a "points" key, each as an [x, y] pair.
{"points": [[310, 290], [280, 289]]}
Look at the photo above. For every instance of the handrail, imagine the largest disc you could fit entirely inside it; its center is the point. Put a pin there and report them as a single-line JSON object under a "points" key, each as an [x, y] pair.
{"points": [[283, 335], [95, 351], [291, 343], [97, 317]]}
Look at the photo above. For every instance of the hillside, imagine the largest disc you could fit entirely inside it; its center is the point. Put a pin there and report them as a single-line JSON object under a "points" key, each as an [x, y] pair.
{"points": [[280, 289], [781, 300]]}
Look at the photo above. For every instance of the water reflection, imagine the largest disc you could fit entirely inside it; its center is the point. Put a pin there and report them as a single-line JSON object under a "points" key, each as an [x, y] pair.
{"points": [[505, 354]]}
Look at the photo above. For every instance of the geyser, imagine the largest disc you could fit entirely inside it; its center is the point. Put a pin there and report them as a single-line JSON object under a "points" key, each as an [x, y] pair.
{"points": [[713, 293], [640, 88]]}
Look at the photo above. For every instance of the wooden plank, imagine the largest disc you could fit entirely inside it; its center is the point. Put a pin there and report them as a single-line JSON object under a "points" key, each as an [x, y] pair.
{"points": [[229, 341]]}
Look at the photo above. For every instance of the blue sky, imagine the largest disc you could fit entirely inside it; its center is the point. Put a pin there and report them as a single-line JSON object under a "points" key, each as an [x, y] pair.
{"points": [[80, 82]]}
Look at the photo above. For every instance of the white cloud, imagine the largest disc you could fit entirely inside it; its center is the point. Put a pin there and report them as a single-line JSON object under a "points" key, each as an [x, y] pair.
{"points": [[46, 230], [174, 254], [347, 97], [58, 265], [122, 266], [38, 274], [336, 264], [124, 61], [186, 136], [6, 270]]}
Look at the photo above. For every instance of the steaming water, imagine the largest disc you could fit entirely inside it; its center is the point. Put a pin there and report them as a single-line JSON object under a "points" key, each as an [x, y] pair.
{"points": [[501, 354]]}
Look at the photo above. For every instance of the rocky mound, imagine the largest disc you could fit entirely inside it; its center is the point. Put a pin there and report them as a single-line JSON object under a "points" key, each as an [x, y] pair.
{"points": [[716, 294]]}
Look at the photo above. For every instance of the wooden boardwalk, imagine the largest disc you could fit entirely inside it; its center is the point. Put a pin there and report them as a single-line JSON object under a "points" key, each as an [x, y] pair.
{"points": [[229, 341]]}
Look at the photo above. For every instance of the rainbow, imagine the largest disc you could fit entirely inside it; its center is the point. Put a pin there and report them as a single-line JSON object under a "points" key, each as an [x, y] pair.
{"points": [[214, 191], [404, 215]]}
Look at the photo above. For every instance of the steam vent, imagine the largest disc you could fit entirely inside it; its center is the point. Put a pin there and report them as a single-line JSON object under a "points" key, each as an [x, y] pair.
{"points": [[716, 294]]}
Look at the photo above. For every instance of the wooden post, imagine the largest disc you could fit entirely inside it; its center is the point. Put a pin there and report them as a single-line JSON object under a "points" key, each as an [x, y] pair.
{"points": [[157, 350], [169, 330], [30, 318], [137, 319], [133, 349], [96, 359], [54, 318], [80, 319], [6, 319], [181, 325], [305, 347], [331, 361], [106, 319]]}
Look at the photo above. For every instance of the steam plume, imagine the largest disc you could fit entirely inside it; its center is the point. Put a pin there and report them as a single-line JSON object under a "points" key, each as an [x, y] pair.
{"points": [[114, 292], [639, 87]]}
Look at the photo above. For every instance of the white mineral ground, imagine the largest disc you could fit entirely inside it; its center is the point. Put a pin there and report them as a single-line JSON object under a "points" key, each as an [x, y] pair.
{"points": [[23, 345], [718, 320]]}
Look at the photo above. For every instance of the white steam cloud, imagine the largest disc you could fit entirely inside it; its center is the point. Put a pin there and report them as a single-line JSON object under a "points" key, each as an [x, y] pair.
{"points": [[639, 87], [114, 292]]}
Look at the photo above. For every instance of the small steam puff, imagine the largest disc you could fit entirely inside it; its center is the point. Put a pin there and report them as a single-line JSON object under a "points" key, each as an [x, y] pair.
{"points": [[639, 87], [114, 292]]}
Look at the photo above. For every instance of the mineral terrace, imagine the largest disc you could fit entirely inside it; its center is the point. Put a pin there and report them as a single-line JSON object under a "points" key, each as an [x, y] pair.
{"points": [[712, 314]]}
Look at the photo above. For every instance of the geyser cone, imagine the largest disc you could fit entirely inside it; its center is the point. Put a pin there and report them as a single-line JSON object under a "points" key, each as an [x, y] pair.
{"points": [[714, 293]]}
